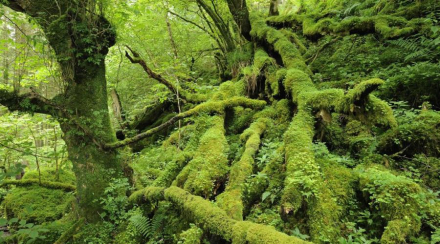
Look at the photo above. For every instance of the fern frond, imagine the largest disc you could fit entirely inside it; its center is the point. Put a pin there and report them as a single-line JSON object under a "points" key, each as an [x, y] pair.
{"points": [[143, 225], [416, 55], [351, 10], [408, 45]]}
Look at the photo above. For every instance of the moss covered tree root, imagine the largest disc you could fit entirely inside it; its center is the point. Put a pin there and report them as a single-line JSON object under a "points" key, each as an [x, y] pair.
{"points": [[304, 188], [211, 218]]}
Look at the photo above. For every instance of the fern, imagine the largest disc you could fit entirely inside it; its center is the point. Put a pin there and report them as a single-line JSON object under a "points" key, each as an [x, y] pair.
{"points": [[419, 48], [143, 225], [157, 221], [408, 45], [147, 227], [351, 10], [416, 55]]}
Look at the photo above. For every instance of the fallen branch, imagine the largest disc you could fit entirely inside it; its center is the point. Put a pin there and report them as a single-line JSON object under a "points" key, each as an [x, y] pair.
{"points": [[215, 106]]}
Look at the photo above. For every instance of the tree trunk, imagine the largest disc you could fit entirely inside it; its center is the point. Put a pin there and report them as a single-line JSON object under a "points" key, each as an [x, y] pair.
{"points": [[94, 168], [273, 9], [240, 12], [80, 37]]}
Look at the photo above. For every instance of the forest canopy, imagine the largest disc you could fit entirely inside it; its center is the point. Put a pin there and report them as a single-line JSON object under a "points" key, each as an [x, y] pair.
{"points": [[220, 121]]}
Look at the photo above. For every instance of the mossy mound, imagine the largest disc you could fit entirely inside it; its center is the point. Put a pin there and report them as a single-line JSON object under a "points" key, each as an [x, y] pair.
{"points": [[38, 204]]}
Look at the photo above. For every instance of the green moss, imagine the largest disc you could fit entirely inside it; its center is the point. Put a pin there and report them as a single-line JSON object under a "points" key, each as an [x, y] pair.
{"points": [[369, 108], [261, 64], [231, 200], [288, 19], [419, 136], [340, 180], [380, 113], [397, 198], [290, 55], [304, 180], [51, 175], [172, 169], [240, 87], [298, 83], [323, 26], [43, 183], [214, 220], [324, 216], [191, 236], [150, 194], [226, 91], [70, 232], [326, 99], [295, 39], [396, 232], [247, 232], [210, 163], [37, 204]]}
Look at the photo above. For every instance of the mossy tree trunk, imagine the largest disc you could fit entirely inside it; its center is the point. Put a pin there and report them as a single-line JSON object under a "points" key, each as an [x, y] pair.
{"points": [[93, 167], [80, 37]]}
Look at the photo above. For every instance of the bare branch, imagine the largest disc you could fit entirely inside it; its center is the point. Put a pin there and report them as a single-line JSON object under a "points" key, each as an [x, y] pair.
{"points": [[137, 60], [193, 23]]}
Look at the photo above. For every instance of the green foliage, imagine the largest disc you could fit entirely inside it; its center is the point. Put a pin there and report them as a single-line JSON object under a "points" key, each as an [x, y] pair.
{"points": [[115, 202], [191, 236], [414, 83], [298, 146], [23, 232], [418, 136]]}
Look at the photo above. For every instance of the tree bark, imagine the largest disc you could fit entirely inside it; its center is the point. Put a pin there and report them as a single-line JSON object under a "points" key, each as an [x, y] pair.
{"points": [[273, 9], [240, 12]]}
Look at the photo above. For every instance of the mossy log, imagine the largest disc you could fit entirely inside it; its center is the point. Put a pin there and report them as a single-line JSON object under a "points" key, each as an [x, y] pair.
{"points": [[213, 219], [46, 184]]}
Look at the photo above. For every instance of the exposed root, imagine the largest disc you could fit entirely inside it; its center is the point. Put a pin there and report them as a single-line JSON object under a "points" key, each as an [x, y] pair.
{"points": [[213, 219], [232, 199]]}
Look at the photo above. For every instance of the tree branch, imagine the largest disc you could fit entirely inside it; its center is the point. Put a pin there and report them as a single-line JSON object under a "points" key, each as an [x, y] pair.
{"points": [[24, 152], [208, 107], [137, 60], [193, 23], [29, 102]]}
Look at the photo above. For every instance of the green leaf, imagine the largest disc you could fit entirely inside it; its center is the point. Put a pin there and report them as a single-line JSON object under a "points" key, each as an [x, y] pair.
{"points": [[33, 234], [13, 220], [29, 225], [3, 222], [265, 195]]}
